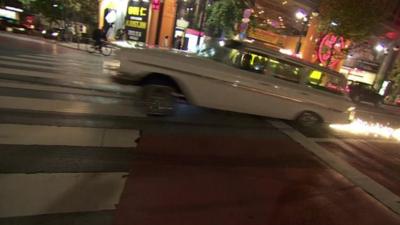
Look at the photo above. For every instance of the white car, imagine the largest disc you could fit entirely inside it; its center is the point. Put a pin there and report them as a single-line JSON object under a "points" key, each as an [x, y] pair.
{"points": [[240, 79]]}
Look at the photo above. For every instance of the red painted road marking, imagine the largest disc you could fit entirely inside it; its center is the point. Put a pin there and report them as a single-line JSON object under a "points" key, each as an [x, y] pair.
{"points": [[230, 180]]}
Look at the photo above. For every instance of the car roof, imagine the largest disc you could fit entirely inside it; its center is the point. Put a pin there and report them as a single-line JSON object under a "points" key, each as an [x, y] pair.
{"points": [[260, 49]]}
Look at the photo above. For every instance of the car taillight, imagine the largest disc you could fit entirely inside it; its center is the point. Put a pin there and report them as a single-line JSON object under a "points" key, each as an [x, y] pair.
{"points": [[347, 89]]}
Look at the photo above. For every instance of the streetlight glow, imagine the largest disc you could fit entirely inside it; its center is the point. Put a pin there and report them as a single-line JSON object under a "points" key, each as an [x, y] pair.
{"points": [[379, 47], [14, 9], [300, 15]]}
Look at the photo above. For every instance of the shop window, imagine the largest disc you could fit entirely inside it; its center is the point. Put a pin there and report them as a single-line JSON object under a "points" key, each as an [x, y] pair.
{"points": [[189, 27]]}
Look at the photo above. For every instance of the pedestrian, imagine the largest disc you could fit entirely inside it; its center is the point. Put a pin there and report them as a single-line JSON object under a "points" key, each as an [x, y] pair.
{"points": [[110, 32], [178, 42], [166, 41]]}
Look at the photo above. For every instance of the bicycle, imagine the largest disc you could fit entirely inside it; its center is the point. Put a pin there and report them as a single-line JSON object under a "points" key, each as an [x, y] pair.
{"points": [[105, 48]]}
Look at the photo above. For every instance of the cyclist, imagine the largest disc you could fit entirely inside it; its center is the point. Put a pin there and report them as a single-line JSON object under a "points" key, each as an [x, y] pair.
{"points": [[97, 36]]}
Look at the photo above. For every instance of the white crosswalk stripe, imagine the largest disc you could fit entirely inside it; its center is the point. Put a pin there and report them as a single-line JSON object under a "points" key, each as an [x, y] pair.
{"points": [[37, 194], [62, 76], [68, 107], [44, 84], [74, 136], [79, 72], [39, 87], [60, 61]]}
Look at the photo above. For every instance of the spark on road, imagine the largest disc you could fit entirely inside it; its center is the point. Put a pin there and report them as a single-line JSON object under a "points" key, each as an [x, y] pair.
{"points": [[361, 127]]}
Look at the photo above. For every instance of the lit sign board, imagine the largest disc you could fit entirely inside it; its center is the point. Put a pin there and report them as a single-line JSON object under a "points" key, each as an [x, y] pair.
{"points": [[8, 14], [182, 23], [136, 22], [329, 46]]}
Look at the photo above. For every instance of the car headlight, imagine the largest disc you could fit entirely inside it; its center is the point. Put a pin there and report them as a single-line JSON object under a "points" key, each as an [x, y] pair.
{"points": [[351, 109], [352, 113], [54, 34], [44, 31]]}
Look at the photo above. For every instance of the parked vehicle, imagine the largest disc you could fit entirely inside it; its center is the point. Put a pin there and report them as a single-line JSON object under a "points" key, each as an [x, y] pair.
{"points": [[12, 26], [362, 92], [53, 33], [19, 29], [240, 79], [57, 34]]}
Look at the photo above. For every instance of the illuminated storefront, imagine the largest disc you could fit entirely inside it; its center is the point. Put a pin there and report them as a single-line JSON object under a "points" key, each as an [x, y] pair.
{"points": [[168, 23], [355, 74], [189, 25], [9, 15], [142, 21], [137, 20], [112, 15]]}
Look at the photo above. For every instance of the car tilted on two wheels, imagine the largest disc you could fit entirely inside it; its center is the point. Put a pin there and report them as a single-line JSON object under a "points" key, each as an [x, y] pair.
{"points": [[243, 79]]}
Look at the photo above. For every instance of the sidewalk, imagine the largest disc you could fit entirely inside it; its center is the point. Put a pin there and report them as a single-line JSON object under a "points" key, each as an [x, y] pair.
{"points": [[73, 45], [182, 179]]}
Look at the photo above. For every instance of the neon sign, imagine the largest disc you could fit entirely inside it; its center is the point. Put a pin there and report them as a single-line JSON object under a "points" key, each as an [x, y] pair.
{"points": [[329, 47]]}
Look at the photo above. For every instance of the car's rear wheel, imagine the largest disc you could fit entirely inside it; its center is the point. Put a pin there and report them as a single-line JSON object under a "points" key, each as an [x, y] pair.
{"points": [[308, 119], [158, 100]]}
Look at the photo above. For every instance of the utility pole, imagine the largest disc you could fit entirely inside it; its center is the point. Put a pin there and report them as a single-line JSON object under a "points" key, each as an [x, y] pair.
{"points": [[387, 64]]}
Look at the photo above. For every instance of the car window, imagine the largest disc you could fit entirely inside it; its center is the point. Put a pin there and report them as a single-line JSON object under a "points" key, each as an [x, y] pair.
{"points": [[247, 61], [284, 70], [326, 82], [266, 65]]}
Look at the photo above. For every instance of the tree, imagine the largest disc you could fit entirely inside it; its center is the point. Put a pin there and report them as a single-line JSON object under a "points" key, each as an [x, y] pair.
{"points": [[352, 20], [223, 16], [395, 78], [67, 10]]}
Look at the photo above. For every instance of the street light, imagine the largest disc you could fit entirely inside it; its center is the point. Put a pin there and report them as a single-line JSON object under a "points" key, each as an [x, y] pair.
{"points": [[300, 15], [303, 17], [379, 47]]}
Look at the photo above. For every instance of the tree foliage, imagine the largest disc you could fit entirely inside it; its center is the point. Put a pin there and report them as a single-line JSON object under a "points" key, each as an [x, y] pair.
{"points": [[395, 78], [67, 10], [353, 20], [223, 16]]}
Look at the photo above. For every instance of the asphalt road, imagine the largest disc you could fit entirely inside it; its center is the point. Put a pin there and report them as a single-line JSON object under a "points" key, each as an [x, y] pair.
{"points": [[76, 148]]}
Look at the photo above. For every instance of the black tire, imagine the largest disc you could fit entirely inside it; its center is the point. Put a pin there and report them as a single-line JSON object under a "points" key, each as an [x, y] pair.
{"points": [[106, 50], [158, 100], [308, 119]]}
